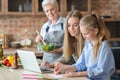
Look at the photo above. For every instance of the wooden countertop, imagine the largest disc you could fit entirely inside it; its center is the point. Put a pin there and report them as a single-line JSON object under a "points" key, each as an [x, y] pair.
{"points": [[15, 74], [11, 51]]}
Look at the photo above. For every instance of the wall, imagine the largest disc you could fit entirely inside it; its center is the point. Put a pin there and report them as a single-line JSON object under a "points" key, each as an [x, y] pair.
{"points": [[107, 7], [15, 26]]}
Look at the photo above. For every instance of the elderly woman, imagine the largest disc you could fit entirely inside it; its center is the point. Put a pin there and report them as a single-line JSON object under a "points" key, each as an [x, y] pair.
{"points": [[52, 31]]}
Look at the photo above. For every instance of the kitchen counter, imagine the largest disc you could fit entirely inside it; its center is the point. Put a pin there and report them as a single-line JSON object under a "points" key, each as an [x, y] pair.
{"points": [[16, 74], [11, 51]]}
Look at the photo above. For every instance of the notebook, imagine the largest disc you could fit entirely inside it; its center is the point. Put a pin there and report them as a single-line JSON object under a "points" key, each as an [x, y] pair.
{"points": [[29, 62]]}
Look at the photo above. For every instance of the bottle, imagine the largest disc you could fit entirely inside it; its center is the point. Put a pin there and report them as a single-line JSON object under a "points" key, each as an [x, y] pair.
{"points": [[72, 7], [20, 8], [15, 60], [1, 51], [27, 2]]}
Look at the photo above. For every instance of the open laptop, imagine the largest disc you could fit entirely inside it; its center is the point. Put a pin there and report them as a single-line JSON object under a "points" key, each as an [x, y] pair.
{"points": [[29, 62]]}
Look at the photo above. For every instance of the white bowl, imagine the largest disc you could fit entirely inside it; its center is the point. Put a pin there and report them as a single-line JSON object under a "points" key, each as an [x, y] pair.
{"points": [[25, 42], [15, 44]]}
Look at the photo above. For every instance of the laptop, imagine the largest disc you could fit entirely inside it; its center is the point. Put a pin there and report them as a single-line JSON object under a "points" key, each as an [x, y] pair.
{"points": [[29, 62]]}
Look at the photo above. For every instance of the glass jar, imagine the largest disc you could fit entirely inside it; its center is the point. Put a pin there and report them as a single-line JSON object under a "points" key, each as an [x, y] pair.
{"points": [[1, 51]]}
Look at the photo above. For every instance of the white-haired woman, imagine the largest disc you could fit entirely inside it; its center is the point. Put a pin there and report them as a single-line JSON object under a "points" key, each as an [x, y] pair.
{"points": [[52, 31]]}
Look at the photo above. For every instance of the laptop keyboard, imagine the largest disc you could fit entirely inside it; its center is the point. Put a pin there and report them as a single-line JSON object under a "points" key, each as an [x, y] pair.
{"points": [[46, 69]]}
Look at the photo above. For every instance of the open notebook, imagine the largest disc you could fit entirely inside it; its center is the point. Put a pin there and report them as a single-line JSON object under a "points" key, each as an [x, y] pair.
{"points": [[29, 62]]}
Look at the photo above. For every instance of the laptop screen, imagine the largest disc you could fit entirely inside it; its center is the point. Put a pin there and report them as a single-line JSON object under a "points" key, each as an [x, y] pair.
{"points": [[29, 60]]}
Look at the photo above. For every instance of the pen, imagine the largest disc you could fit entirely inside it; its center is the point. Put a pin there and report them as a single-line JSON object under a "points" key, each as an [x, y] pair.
{"points": [[56, 69]]}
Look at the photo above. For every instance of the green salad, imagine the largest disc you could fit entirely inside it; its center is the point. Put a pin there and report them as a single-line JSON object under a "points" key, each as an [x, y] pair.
{"points": [[47, 46]]}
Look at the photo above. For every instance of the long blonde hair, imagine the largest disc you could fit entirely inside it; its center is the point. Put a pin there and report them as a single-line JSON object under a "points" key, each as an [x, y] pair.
{"points": [[69, 40], [92, 21]]}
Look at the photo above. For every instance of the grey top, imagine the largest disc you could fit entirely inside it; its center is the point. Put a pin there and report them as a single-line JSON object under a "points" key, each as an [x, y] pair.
{"points": [[73, 58]]}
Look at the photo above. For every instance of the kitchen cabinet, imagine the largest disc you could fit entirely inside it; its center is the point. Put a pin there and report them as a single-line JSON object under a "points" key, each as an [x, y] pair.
{"points": [[19, 7], [66, 6], [113, 25], [114, 28], [84, 6], [33, 7]]}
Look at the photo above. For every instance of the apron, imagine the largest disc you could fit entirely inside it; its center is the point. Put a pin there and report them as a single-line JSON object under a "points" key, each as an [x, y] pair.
{"points": [[55, 37]]}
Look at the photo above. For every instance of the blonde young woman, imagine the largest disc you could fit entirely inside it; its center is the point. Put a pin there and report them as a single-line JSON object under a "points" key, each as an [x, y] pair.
{"points": [[96, 61], [73, 40]]}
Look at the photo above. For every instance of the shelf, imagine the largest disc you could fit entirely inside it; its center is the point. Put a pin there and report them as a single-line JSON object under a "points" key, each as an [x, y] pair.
{"points": [[114, 39], [112, 19], [11, 51], [115, 47]]}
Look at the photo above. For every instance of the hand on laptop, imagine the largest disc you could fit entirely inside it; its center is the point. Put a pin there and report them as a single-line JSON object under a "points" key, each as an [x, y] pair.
{"points": [[46, 63], [43, 68]]}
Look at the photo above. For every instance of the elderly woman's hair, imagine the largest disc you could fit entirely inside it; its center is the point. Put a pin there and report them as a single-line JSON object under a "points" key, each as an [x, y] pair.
{"points": [[53, 2]]}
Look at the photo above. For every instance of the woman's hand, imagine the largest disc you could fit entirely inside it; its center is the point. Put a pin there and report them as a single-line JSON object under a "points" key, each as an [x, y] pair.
{"points": [[56, 71], [38, 38], [58, 68], [76, 74], [58, 50], [62, 68], [71, 74], [46, 63], [53, 51]]}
